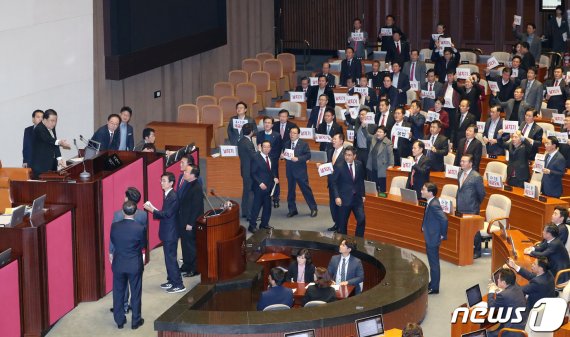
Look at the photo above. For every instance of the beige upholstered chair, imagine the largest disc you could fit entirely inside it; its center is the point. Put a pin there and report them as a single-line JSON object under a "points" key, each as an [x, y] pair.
{"points": [[449, 192], [501, 56], [250, 65], [294, 108], [275, 307], [496, 167], [222, 89], [496, 215], [188, 113], [468, 56], [236, 77], [397, 183], [449, 159], [263, 87], [204, 100], [289, 67], [228, 105]]}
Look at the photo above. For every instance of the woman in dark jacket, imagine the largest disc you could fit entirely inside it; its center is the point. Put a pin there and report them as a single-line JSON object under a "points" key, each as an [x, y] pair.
{"points": [[322, 290], [302, 269]]}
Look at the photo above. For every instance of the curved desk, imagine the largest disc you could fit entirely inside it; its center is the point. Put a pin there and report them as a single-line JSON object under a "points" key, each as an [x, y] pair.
{"points": [[395, 286]]}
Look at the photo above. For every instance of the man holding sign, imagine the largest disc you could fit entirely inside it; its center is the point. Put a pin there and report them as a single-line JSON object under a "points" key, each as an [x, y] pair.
{"points": [[349, 67], [445, 61], [420, 170], [556, 91], [514, 107], [531, 37], [237, 122], [505, 85], [391, 93], [519, 153], [491, 136], [328, 127], [385, 33], [357, 39], [398, 51], [315, 92], [400, 136], [532, 131]]}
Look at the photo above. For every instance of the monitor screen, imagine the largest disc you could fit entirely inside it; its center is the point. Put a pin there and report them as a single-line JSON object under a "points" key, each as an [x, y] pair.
{"points": [[496, 275], [473, 295], [550, 5], [370, 326], [304, 333], [478, 333]]}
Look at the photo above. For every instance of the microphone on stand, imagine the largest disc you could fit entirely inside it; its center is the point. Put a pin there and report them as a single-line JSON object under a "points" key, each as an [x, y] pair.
{"points": [[214, 212], [225, 203], [83, 175]]}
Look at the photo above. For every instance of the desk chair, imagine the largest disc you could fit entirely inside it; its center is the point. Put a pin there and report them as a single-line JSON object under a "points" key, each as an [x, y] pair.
{"points": [[468, 56], [536, 179], [276, 307], [397, 183], [449, 159], [222, 89], [546, 127], [425, 54], [188, 113], [565, 294], [498, 168], [496, 216], [314, 304], [521, 332], [294, 108], [5, 200], [560, 286], [501, 56], [449, 191]]}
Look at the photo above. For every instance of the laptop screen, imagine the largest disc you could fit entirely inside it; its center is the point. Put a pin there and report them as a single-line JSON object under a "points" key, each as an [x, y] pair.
{"points": [[478, 333], [496, 275], [304, 333], [370, 326], [473, 295]]}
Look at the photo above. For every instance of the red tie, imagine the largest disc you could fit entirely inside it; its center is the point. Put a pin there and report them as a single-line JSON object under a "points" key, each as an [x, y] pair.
{"points": [[524, 129], [557, 83], [382, 120], [351, 172], [398, 47], [412, 71], [320, 119], [466, 146], [431, 87], [267, 162]]}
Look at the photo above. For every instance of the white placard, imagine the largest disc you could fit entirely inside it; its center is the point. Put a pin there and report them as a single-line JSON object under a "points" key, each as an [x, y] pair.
{"points": [[567, 75], [427, 143], [530, 190], [538, 165], [446, 205], [325, 169], [320, 138], [362, 90], [558, 118], [228, 151], [239, 123], [353, 112], [307, 133], [562, 137], [370, 83], [370, 118], [445, 42], [515, 72], [352, 100], [414, 85], [493, 86], [297, 96], [288, 154], [517, 20], [492, 62], [401, 131], [406, 164], [313, 81], [432, 116], [463, 73], [428, 94], [550, 133], [435, 36], [339, 98], [494, 180], [554, 91], [510, 126], [350, 135], [452, 171], [357, 36], [480, 127], [386, 32]]}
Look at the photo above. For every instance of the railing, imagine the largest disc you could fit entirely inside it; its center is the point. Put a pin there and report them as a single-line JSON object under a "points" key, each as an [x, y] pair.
{"points": [[294, 44]]}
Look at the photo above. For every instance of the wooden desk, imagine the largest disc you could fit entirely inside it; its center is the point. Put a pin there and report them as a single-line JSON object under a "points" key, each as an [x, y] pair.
{"points": [[502, 250], [271, 260], [392, 221], [11, 294], [182, 134], [486, 160], [342, 293], [459, 328], [527, 215]]}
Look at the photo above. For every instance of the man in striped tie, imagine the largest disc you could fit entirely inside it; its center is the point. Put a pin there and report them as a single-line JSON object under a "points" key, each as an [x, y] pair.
{"points": [[345, 269]]}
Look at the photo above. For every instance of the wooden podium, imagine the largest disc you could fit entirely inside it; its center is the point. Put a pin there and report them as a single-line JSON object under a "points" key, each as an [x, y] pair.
{"points": [[220, 245]]}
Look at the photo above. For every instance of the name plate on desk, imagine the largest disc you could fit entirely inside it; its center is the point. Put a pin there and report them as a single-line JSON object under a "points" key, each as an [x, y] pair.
{"points": [[228, 151], [297, 96], [508, 188], [494, 180], [492, 156], [446, 205], [530, 190], [542, 198], [307, 133]]}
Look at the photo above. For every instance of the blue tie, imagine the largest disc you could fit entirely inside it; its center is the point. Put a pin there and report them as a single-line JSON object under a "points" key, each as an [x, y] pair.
{"points": [[123, 143]]}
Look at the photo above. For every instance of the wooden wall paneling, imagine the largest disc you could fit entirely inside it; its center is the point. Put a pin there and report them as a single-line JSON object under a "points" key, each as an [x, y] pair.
{"points": [[469, 23], [489, 26], [508, 9], [427, 19]]}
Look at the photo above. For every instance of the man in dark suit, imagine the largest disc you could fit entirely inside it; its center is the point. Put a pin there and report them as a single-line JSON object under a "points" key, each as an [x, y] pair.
{"points": [[401, 82], [275, 141], [28, 142], [557, 101], [434, 227], [168, 233], [402, 145], [304, 87], [276, 294], [552, 248], [519, 153], [514, 107], [331, 80], [416, 120], [414, 68], [387, 39], [559, 218], [469, 145], [246, 151], [348, 189], [46, 154], [470, 194], [191, 207], [398, 51], [235, 129], [328, 127], [296, 169], [335, 154], [316, 91], [362, 136], [529, 129], [540, 280], [554, 169], [439, 147], [517, 73], [383, 118], [389, 92], [129, 238], [431, 85], [109, 135], [370, 97], [127, 138], [264, 176], [318, 112], [349, 67], [346, 269], [531, 37], [506, 294], [283, 128], [420, 170], [445, 62], [528, 60], [464, 119], [505, 83], [376, 76], [491, 136]]}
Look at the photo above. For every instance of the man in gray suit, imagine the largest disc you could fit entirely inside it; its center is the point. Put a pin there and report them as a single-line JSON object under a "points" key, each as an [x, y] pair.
{"points": [[515, 108], [414, 68], [532, 89], [470, 194], [346, 269], [358, 46], [531, 37]]}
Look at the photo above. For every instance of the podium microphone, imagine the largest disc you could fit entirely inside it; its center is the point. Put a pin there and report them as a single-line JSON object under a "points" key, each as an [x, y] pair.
{"points": [[209, 203], [83, 175], [225, 203]]}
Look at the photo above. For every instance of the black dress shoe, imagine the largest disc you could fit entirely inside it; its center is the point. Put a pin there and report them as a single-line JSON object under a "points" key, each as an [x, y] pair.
{"points": [[314, 213], [334, 228], [476, 255], [433, 292], [266, 227], [120, 326], [252, 230], [275, 203], [191, 274], [292, 214], [136, 326]]}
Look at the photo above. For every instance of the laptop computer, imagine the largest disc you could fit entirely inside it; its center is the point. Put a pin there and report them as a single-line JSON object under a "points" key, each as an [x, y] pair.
{"points": [[474, 297], [370, 326], [495, 275], [370, 187], [272, 111], [409, 196], [5, 256], [547, 113], [304, 333], [15, 218], [319, 156], [478, 333], [38, 206]]}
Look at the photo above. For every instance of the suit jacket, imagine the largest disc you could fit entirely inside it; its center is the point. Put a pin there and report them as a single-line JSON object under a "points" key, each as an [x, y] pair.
{"points": [[322, 129], [314, 118], [434, 224], [528, 61], [292, 273], [386, 40], [539, 286], [508, 106], [372, 99], [27, 145], [384, 156], [557, 102], [455, 95], [535, 43], [288, 126], [300, 88], [315, 293], [532, 96], [518, 160], [313, 99], [275, 139], [140, 217], [303, 152], [563, 233], [442, 67], [354, 271], [378, 79], [535, 134], [506, 91], [403, 148], [403, 85], [552, 183], [393, 96], [419, 71], [260, 173], [429, 103], [352, 71], [45, 151], [246, 151], [275, 295], [554, 33], [470, 194], [475, 149], [129, 238], [459, 132], [420, 172], [191, 205], [392, 54], [557, 256], [358, 46], [511, 297], [520, 75], [472, 96], [495, 149], [234, 135], [390, 121], [441, 145], [331, 80], [417, 123], [344, 187], [103, 136], [168, 229]]}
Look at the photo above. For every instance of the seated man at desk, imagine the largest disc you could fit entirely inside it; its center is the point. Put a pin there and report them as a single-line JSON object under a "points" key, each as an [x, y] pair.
{"points": [[276, 294], [559, 218], [349, 270], [552, 248], [507, 294], [540, 280]]}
